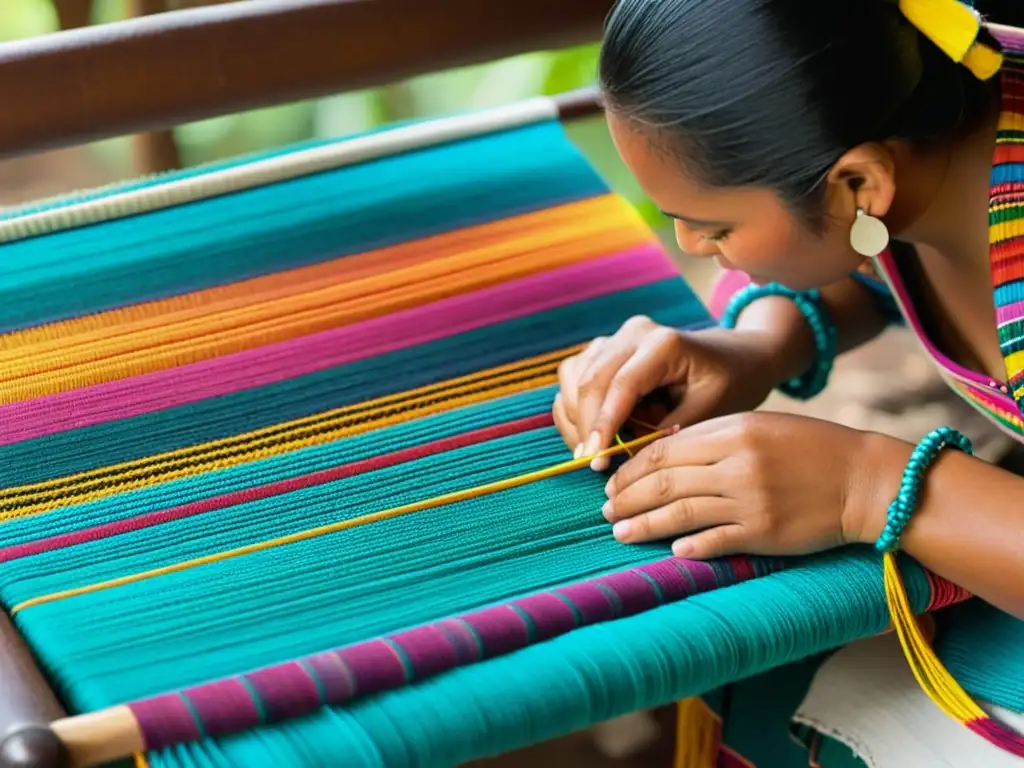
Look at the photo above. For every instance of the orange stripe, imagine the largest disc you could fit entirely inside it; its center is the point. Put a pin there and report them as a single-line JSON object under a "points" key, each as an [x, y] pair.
{"points": [[277, 308]]}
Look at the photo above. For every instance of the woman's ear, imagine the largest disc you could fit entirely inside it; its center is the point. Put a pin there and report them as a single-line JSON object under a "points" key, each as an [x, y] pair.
{"points": [[864, 177]]}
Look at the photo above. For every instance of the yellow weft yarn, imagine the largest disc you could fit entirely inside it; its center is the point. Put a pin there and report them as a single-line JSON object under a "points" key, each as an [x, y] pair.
{"points": [[954, 28], [931, 675], [697, 729]]}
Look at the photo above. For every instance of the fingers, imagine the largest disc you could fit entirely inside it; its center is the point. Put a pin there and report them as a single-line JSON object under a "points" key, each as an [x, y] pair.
{"points": [[567, 416], [600, 383], [600, 387], [564, 424], [662, 488], [678, 517], [613, 390], [699, 446], [714, 542]]}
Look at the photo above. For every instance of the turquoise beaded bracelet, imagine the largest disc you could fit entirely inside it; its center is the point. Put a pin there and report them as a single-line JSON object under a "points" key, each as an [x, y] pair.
{"points": [[810, 305], [905, 503]]}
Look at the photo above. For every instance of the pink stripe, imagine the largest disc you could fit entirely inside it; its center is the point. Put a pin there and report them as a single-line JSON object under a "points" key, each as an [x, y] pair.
{"points": [[149, 392], [887, 263], [992, 400], [1011, 38], [1009, 312], [731, 282]]}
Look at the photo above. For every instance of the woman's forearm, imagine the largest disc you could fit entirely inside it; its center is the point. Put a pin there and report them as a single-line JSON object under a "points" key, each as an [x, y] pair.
{"points": [[850, 305], [966, 528]]}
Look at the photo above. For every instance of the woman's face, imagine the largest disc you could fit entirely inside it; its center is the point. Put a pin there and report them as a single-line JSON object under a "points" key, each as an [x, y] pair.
{"points": [[747, 229]]}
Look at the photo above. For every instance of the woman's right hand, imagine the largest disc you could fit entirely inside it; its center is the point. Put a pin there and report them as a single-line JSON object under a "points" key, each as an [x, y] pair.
{"points": [[705, 374]]}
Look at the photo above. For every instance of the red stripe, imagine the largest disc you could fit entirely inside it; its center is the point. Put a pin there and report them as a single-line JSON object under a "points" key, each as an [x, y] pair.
{"points": [[151, 519], [1006, 188], [1008, 153]]}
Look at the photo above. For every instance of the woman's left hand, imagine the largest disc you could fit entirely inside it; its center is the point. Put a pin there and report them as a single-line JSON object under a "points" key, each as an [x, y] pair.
{"points": [[753, 483]]}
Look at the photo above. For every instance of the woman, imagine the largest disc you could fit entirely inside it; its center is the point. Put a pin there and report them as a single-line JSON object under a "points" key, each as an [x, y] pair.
{"points": [[794, 141]]}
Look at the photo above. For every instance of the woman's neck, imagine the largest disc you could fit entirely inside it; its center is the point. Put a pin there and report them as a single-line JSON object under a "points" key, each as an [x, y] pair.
{"points": [[954, 181], [952, 238]]}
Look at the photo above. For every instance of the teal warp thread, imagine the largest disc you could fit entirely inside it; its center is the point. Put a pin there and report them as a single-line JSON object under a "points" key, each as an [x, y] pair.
{"points": [[585, 677], [291, 223], [296, 599], [905, 504], [823, 329], [981, 646], [304, 461]]}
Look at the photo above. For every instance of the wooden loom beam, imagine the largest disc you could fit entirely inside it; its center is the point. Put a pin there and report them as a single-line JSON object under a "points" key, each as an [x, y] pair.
{"points": [[158, 71]]}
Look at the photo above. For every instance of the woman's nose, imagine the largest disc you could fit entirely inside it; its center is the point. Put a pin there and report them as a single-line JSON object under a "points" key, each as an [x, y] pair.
{"points": [[693, 244]]}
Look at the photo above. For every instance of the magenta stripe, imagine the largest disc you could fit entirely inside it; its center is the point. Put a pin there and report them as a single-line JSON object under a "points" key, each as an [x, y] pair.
{"points": [[156, 391], [1009, 312], [413, 655], [1011, 38]]}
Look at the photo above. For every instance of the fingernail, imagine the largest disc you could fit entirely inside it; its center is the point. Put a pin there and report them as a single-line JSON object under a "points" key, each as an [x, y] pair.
{"points": [[600, 464], [578, 452], [609, 488], [607, 511], [622, 530], [682, 548], [594, 443]]}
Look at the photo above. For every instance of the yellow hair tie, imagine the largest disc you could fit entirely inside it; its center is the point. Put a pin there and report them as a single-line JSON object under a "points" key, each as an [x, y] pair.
{"points": [[954, 28]]}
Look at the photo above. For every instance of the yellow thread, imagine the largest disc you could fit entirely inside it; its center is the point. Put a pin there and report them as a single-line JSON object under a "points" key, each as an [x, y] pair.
{"points": [[931, 675], [387, 514], [697, 728], [282, 438], [623, 445], [141, 761], [953, 27]]}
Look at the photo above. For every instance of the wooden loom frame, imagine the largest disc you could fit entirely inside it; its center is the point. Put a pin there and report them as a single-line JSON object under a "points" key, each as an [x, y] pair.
{"points": [[156, 72]]}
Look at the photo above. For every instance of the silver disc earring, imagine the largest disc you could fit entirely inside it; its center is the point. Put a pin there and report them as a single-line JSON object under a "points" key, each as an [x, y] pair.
{"points": [[869, 236]]}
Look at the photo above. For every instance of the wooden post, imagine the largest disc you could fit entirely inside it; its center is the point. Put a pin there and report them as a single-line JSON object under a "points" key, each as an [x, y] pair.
{"points": [[154, 152], [27, 707]]}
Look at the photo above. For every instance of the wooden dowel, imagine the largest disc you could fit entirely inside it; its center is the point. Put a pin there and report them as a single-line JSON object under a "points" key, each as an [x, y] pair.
{"points": [[27, 706], [100, 737], [160, 71]]}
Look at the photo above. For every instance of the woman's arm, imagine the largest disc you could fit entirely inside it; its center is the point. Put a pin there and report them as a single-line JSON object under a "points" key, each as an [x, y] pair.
{"points": [[850, 304], [967, 527]]}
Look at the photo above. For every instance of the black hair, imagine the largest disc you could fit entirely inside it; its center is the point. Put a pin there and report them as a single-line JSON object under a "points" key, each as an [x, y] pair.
{"points": [[771, 93]]}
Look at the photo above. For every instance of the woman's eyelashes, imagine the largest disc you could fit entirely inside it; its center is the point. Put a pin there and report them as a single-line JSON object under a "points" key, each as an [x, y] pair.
{"points": [[717, 237]]}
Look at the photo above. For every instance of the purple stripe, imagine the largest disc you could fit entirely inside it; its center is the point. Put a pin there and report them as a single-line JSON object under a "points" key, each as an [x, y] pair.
{"points": [[591, 602], [501, 629], [670, 580], [551, 616], [165, 721], [463, 639], [703, 575], [225, 706], [376, 666], [287, 690], [428, 650], [335, 678], [635, 593], [265, 365]]}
